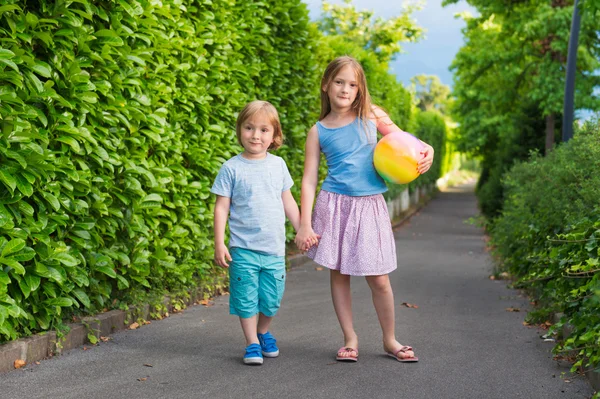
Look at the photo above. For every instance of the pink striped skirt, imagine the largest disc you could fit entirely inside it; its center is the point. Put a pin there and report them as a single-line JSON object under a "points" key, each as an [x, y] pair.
{"points": [[356, 234]]}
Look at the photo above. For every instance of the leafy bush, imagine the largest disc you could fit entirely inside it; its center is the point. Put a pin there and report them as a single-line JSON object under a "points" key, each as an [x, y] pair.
{"points": [[549, 231], [115, 119], [430, 127], [524, 135]]}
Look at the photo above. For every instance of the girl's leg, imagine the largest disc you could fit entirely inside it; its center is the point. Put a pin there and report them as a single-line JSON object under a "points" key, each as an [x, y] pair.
{"points": [[383, 299], [264, 322], [249, 328], [342, 303]]}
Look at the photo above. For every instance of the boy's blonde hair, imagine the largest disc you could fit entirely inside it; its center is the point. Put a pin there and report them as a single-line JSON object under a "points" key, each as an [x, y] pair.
{"points": [[270, 112], [362, 102]]}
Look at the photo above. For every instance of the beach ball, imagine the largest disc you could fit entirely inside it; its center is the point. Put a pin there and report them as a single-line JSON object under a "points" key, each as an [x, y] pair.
{"points": [[396, 157]]}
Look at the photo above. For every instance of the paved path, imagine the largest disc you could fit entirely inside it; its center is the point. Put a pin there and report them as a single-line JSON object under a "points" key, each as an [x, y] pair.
{"points": [[469, 345]]}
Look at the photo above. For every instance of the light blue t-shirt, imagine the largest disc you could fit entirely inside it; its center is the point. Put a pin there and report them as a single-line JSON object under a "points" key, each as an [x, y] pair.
{"points": [[256, 214], [349, 153]]}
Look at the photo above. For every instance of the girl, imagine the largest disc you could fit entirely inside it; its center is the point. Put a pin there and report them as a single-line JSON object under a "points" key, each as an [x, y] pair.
{"points": [[253, 189], [350, 214]]}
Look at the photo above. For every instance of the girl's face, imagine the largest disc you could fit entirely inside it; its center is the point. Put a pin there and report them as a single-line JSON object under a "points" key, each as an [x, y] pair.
{"points": [[343, 89], [256, 136]]}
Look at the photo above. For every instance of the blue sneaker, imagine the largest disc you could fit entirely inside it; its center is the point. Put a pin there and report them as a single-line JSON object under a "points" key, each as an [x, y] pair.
{"points": [[268, 344], [253, 355]]}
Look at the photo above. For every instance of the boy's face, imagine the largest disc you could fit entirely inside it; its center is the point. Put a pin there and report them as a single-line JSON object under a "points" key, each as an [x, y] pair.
{"points": [[343, 88], [257, 135]]}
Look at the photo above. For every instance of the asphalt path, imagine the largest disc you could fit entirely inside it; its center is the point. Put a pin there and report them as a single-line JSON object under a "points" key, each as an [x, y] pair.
{"points": [[469, 345]]}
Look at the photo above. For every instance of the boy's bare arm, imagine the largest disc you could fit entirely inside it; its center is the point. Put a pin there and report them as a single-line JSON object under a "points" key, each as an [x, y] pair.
{"points": [[221, 213], [292, 212]]}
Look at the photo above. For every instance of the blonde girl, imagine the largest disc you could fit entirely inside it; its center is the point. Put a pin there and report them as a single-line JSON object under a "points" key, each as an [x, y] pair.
{"points": [[350, 214]]}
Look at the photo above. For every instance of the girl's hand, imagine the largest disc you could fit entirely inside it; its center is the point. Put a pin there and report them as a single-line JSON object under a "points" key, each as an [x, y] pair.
{"points": [[312, 240], [222, 255], [425, 163], [306, 238]]}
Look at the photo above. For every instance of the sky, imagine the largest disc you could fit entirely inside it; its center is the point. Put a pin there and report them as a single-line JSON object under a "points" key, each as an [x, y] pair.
{"points": [[435, 52]]}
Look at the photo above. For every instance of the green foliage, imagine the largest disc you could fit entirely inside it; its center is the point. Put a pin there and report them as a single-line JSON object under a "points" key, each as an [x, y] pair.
{"points": [[431, 128], [511, 147], [115, 118], [548, 235], [430, 93], [382, 37], [509, 76]]}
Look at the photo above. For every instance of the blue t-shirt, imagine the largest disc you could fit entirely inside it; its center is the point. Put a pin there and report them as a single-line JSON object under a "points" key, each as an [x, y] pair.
{"points": [[349, 153], [256, 214]]}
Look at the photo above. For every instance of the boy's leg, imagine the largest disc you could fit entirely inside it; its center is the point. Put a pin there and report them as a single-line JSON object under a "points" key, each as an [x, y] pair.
{"points": [[342, 303], [264, 322], [383, 299], [270, 293], [271, 285], [268, 343], [243, 300], [249, 328]]}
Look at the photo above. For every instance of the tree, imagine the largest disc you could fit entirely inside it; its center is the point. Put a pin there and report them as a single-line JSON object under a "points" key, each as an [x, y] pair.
{"points": [[430, 93], [524, 48], [382, 36]]}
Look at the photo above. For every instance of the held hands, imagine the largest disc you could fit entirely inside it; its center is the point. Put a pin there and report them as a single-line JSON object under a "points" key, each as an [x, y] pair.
{"points": [[425, 163], [306, 238], [222, 255]]}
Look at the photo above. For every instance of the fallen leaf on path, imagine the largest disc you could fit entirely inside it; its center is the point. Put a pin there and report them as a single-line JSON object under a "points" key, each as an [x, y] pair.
{"points": [[147, 322], [37, 363], [546, 325], [85, 348], [206, 302], [105, 339], [19, 363], [134, 326], [148, 365], [410, 305], [142, 379], [319, 269], [492, 277], [513, 309]]}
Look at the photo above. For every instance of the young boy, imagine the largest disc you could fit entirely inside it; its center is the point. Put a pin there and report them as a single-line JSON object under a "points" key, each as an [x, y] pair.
{"points": [[253, 188]]}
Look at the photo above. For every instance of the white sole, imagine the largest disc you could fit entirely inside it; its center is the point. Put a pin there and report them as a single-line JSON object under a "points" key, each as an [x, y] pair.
{"points": [[253, 360], [270, 354]]}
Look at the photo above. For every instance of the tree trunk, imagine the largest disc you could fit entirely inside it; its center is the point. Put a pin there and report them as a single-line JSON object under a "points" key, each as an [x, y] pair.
{"points": [[549, 133]]}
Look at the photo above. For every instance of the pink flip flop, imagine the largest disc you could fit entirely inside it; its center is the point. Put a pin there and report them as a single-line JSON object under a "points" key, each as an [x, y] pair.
{"points": [[347, 358], [404, 349]]}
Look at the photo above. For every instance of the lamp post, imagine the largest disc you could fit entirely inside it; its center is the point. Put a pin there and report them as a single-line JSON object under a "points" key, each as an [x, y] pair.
{"points": [[568, 110]]}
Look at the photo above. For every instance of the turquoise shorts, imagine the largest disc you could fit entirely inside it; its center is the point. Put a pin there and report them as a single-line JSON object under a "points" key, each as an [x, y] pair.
{"points": [[256, 283]]}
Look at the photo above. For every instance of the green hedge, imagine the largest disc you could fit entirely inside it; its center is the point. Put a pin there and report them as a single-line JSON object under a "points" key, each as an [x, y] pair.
{"points": [[548, 236], [524, 134], [116, 116]]}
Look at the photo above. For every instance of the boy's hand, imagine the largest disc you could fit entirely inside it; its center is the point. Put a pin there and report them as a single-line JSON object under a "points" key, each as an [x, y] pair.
{"points": [[222, 255]]}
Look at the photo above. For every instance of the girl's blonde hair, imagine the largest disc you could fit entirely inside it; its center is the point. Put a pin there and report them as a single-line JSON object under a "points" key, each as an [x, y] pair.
{"points": [[362, 102], [270, 112]]}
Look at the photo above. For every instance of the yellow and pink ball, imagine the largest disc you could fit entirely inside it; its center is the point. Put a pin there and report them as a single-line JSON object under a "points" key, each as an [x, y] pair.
{"points": [[396, 157]]}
